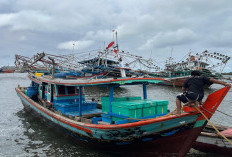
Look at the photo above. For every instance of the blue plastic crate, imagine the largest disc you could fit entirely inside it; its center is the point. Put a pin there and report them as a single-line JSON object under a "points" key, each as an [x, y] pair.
{"points": [[74, 107], [68, 99], [90, 105], [84, 107], [66, 107], [93, 105]]}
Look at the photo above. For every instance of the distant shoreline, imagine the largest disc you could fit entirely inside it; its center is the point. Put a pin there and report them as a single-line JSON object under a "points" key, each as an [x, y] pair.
{"points": [[229, 73]]}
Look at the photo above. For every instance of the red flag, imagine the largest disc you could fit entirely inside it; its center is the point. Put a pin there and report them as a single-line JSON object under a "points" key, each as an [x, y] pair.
{"points": [[111, 44], [115, 51]]}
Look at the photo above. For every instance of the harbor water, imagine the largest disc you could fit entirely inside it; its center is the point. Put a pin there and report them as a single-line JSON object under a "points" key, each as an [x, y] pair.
{"points": [[21, 134]]}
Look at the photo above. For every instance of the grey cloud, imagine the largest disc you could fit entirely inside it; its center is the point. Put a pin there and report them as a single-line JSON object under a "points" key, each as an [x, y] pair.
{"points": [[25, 20], [222, 39], [142, 26], [80, 45], [164, 39]]}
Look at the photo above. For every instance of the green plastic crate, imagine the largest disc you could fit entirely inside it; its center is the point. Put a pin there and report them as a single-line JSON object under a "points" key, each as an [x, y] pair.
{"points": [[105, 101], [161, 106], [149, 108], [105, 104], [127, 108], [133, 98], [120, 98]]}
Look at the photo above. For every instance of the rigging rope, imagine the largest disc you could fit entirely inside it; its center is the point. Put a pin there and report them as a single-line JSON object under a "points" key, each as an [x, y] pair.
{"points": [[224, 113], [213, 125]]}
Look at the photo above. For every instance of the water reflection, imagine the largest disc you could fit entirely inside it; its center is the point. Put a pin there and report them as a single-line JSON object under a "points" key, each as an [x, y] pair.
{"points": [[43, 140]]}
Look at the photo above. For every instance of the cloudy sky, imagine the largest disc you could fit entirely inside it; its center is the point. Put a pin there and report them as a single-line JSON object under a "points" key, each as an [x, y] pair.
{"points": [[147, 27]]}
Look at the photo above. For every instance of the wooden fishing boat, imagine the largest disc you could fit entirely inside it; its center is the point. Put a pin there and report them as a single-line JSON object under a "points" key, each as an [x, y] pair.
{"points": [[7, 70], [178, 72], [210, 141], [125, 124], [175, 81]]}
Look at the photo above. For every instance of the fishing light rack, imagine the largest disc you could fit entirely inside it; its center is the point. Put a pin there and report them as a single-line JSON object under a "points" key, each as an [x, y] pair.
{"points": [[74, 61], [205, 59]]}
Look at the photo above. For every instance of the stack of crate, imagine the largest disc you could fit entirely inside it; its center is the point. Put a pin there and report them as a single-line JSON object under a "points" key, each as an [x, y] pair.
{"points": [[134, 107]]}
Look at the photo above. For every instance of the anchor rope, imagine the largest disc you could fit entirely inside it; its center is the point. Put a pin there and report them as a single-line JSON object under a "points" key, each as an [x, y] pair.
{"points": [[213, 125]]}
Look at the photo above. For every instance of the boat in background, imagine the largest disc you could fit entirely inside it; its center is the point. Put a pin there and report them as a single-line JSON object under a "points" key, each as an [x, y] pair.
{"points": [[7, 69], [107, 62], [111, 62], [125, 124], [177, 73], [107, 67], [210, 141]]}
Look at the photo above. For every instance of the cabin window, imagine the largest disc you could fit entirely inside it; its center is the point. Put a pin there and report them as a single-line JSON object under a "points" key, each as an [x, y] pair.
{"points": [[61, 89], [71, 89]]}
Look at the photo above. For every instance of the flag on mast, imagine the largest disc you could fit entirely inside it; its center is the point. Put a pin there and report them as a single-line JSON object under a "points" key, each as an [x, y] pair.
{"points": [[116, 51], [110, 44]]}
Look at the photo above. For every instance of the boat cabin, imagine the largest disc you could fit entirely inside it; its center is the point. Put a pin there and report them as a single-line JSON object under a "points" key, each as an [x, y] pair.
{"points": [[67, 97], [99, 61]]}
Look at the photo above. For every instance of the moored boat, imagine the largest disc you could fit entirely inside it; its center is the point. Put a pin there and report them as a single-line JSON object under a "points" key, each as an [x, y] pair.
{"points": [[210, 141], [7, 70], [178, 72], [123, 123]]}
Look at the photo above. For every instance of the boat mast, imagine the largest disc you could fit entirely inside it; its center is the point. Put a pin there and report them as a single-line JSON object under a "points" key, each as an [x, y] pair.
{"points": [[53, 66], [116, 38]]}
